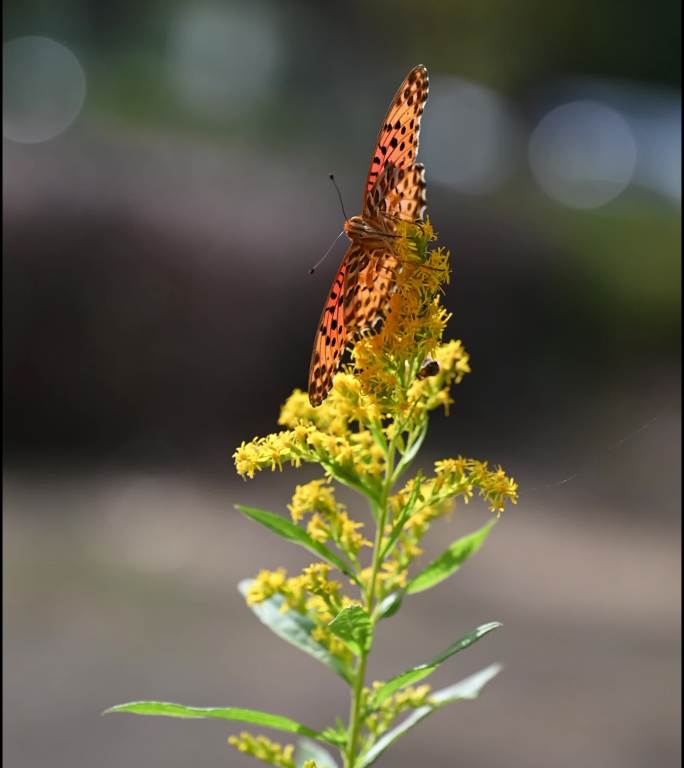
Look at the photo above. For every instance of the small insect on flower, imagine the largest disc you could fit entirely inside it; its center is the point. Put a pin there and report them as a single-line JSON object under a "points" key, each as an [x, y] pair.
{"points": [[429, 368], [360, 294]]}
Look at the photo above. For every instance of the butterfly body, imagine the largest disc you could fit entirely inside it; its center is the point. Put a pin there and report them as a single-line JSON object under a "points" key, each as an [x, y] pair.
{"points": [[360, 228], [395, 191]]}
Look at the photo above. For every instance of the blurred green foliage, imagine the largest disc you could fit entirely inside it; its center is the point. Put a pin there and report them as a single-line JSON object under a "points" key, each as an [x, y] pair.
{"points": [[507, 45]]}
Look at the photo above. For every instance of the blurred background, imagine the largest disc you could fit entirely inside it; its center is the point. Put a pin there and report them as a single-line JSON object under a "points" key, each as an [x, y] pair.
{"points": [[165, 193]]}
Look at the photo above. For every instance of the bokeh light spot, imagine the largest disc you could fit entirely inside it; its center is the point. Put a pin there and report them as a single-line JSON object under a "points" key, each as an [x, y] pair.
{"points": [[471, 139], [583, 154], [223, 60], [44, 87]]}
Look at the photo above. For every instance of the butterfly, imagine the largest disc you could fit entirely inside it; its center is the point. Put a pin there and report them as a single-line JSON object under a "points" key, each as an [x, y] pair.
{"points": [[359, 297]]}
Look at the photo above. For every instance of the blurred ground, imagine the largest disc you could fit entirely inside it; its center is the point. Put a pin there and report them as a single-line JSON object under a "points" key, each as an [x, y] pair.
{"points": [[122, 586]]}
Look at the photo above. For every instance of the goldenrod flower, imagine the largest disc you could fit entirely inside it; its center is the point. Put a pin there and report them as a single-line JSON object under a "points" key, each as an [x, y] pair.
{"points": [[364, 435], [264, 749]]}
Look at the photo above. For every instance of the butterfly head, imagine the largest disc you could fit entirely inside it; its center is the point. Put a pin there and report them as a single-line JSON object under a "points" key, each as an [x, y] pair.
{"points": [[360, 228], [356, 227]]}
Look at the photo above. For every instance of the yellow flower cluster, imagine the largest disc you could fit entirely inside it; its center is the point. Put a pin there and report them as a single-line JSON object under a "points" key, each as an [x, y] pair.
{"points": [[376, 414], [395, 378], [365, 435], [430, 392], [386, 362], [462, 476], [328, 519], [393, 574], [379, 718], [422, 500], [269, 583], [341, 434], [312, 594], [264, 749], [332, 435]]}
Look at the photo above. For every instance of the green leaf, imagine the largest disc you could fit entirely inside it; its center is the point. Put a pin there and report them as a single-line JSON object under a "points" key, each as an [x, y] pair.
{"points": [[406, 512], [309, 750], [353, 625], [296, 629], [344, 476], [255, 716], [411, 453], [390, 605], [336, 734], [450, 560], [291, 532], [421, 671], [466, 689]]}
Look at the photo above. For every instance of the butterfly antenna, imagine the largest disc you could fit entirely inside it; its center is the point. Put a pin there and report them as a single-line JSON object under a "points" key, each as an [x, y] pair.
{"points": [[339, 195], [321, 260]]}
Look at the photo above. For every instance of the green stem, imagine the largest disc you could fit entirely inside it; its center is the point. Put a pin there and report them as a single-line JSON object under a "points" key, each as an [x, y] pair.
{"points": [[380, 515], [355, 711]]}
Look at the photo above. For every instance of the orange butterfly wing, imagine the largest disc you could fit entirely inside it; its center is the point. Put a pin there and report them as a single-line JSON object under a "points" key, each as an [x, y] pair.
{"points": [[399, 193], [395, 188], [358, 299], [331, 336], [397, 142]]}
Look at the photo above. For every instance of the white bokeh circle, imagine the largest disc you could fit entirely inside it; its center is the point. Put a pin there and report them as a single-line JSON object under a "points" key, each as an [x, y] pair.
{"points": [[583, 154], [473, 136], [44, 87]]}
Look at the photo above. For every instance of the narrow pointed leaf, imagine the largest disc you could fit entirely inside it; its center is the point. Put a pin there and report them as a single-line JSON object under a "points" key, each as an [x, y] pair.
{"points": [[450, 560], [291, 532], [353, 625], [421, 671], [349, 479], [404, 516], [254, 716], [309, 750], [410, 455], [466, 689], [295, 628], [390, 605]]}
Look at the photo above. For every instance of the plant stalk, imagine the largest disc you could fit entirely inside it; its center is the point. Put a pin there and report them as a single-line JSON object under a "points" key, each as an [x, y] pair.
{"points": [[380, 515]]}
